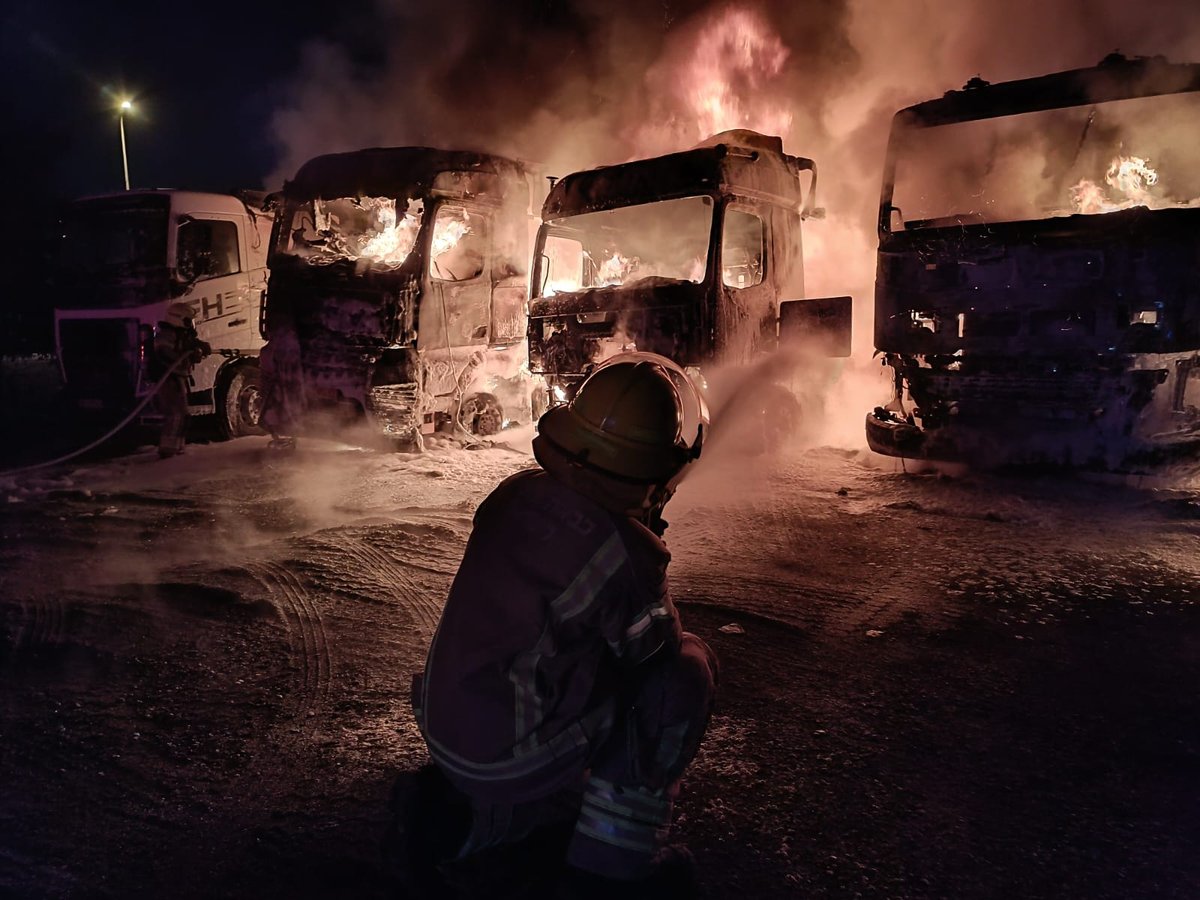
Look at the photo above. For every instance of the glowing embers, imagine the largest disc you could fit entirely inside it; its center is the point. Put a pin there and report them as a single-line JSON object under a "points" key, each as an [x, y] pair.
{"points": [[1131, 176]]}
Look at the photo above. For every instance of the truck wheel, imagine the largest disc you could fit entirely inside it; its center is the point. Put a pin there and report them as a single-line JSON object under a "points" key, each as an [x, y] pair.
{"points": [[480, 414], [413, 442], [778, 415], [239, 406], [763, 417]]}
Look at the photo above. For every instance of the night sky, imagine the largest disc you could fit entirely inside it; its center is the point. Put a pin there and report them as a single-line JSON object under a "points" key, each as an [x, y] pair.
{"points": [[205, 78]]}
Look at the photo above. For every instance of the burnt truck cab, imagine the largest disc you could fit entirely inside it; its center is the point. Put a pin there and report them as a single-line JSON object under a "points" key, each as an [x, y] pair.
{"points": [[1037, 293], [691, 255], [398, 290]]}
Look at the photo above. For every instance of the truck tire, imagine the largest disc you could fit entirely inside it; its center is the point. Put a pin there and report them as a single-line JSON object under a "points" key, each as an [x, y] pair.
{"points": [[240, 402], [777, 416], [480, 414]]}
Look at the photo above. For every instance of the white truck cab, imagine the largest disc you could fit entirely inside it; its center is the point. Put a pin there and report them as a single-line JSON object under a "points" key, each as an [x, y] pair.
{"points": [[123, 258]]}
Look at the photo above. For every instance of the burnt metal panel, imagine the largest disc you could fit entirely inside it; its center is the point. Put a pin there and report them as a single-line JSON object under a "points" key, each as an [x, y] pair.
{"points": [[1116, 78], [822, 324], [755, 171], [649, 292], [407, 171], [1043, 286]]}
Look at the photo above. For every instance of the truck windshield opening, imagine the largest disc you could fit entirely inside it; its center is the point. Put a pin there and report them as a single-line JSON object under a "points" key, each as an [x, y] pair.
{"points": [[380, 230], [668, 239], [113, 239], [1078, 160]]}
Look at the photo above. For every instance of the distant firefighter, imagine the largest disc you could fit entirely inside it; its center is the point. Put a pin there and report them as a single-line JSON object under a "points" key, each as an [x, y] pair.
{"points": [[283, 384], [176, 339], [561, 695]]}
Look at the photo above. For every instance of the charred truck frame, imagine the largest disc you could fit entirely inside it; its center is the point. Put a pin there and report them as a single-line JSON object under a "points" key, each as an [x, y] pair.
{"points": [[124, 258], [398, 290], [1037, 293], [692, 255]]}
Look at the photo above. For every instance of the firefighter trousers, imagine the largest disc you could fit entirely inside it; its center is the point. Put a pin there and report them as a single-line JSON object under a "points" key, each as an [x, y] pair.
{"points": [[172, 402], [628, 784]]}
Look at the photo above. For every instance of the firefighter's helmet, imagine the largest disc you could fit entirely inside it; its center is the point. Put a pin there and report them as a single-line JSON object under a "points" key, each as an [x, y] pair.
{"points": [[637, 417], [178, 314]]}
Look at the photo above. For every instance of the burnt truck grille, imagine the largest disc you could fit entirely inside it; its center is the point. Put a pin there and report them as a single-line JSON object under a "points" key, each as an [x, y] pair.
{"points": [[100, 357], [369, 316], [1068, 397], [397, 407]]}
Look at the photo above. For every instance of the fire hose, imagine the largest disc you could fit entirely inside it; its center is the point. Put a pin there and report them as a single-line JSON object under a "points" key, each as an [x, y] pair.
{"points": [[112, 431]]}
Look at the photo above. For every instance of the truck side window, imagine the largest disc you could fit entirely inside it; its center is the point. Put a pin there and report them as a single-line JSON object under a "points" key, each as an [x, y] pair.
{"points": [[562, 265], [460, 245], [742, 243], [207, 249]]}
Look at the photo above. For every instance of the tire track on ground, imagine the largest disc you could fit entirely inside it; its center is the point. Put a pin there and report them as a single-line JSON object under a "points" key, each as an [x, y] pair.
{"points": [[428, 542], [389, 573], [307, 636], [41, 621]]}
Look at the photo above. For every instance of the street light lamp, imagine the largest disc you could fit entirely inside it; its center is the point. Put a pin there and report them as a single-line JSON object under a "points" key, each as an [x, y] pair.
{"points": [[125, 106]]}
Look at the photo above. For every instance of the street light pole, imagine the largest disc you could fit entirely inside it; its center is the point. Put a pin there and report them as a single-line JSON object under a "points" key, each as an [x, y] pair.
{"points": [[125, 107]]}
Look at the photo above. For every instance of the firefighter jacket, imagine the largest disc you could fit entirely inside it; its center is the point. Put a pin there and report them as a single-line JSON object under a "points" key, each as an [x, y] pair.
{"points": [[556, 604], [171, 343]]}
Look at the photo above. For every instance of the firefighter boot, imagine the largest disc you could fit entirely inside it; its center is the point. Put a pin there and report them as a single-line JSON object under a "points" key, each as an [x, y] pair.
{"points": [[430, 821], [672, 876], [514, 852], [528, 869], [620, 846]]}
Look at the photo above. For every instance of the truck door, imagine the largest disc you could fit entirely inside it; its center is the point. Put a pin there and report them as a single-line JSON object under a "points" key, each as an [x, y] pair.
{"points": [[747, 318], [209, 257], [456, 310]]}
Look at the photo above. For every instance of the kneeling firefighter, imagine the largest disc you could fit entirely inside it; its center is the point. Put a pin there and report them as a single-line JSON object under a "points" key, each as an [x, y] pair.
{"points": [[560, 688]]}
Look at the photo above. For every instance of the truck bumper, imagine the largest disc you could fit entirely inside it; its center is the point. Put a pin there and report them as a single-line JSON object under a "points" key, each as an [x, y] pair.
{"points": [[892, 436]]}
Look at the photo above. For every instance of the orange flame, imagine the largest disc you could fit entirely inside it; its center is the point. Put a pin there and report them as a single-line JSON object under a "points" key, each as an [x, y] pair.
{"points": [[725, 81], [614, 270], [447, 234], [1131, 175], [1088, 198], [394, 240]]}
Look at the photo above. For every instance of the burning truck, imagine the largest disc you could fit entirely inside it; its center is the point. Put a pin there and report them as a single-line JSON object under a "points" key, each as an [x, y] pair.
{"points": [[123, 258], [694, 255], [398, 292], [1038, 284]]}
